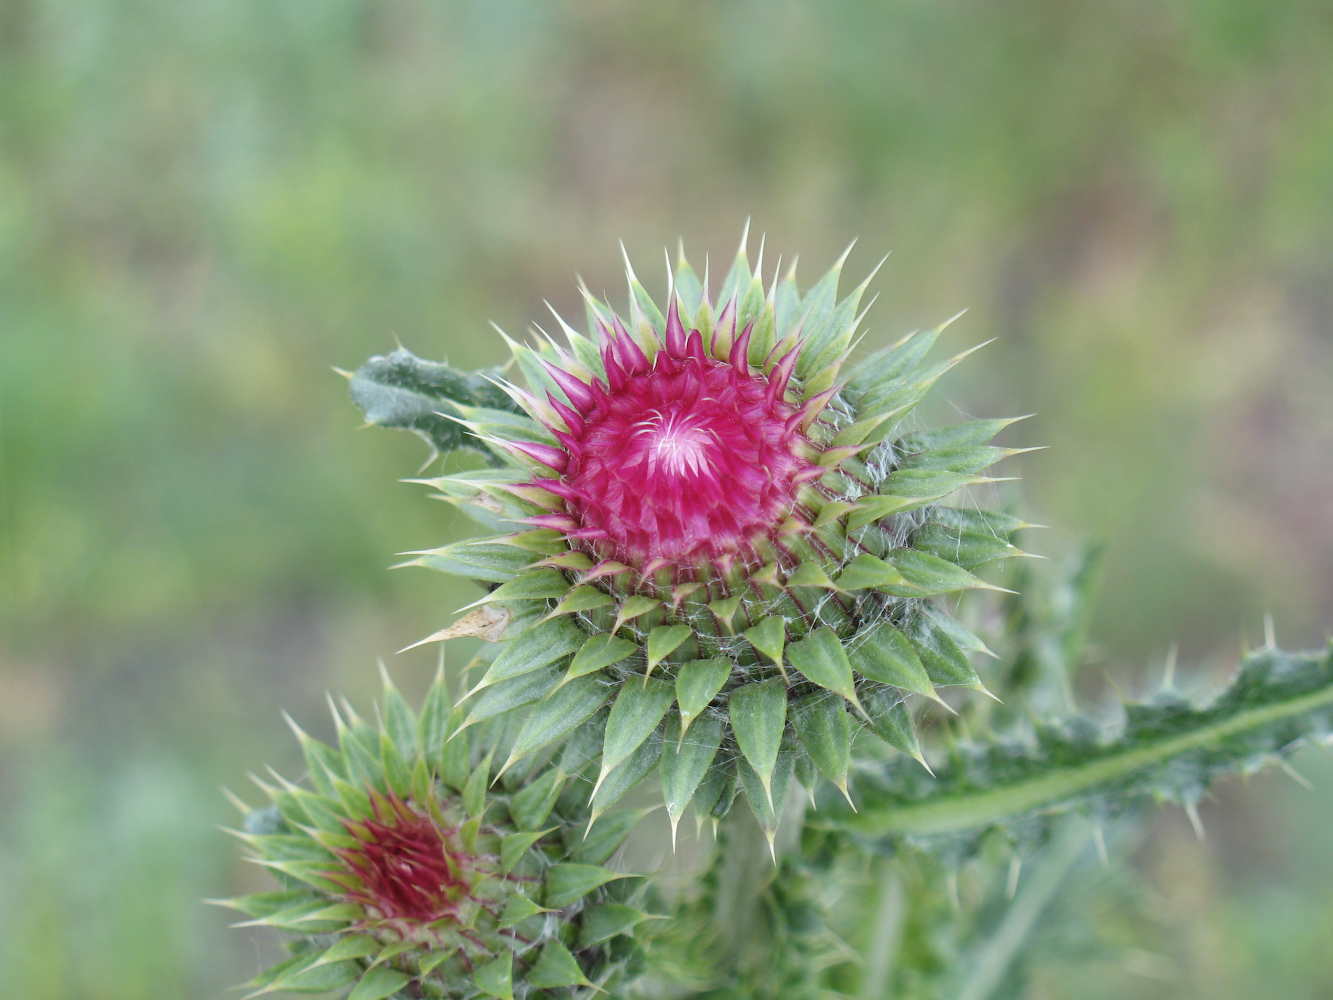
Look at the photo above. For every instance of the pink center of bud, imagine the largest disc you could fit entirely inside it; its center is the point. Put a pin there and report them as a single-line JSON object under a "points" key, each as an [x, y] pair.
{"points": [[406, 870], [676, 444], [678, 461]]}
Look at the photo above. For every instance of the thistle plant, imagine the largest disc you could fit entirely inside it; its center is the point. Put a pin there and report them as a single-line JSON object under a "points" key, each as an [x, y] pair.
{"points": [[722, 557], [708, 512]]}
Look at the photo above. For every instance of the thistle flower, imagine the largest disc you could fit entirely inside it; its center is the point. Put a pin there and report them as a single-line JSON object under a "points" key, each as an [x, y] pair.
{"points": [[714, 514], [403, 874]]}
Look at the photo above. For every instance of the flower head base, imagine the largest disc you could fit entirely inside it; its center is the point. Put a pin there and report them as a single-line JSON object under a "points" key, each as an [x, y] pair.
{"points": [[710, 506], [403, 872]]}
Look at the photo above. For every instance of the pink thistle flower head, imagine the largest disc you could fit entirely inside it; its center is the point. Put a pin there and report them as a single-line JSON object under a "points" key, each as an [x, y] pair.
{"points": [[686, 459], [710, 502]]}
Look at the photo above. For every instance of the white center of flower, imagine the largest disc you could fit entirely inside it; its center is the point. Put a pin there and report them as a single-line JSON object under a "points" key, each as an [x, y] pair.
{"points": [[674, 445]]}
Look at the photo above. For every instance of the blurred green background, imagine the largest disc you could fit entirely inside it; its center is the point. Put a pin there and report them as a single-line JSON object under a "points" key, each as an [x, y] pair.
{"points": [[205, 205]]}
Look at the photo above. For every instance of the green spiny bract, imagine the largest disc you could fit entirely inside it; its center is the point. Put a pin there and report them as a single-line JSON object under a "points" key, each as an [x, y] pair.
{"points": [[713, 513], [405, 873]]}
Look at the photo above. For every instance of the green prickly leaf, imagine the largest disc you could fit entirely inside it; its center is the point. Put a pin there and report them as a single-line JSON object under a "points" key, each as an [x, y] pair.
{"points": [[606, 834], [683, 770], [891, 720], [353, 946], [455, 755], [689, 289], [354, 800], [474, 792], [663, 641], [767, 799], [563, 710], [281, 847], [434, 725], [584, 598], [303, 918], [809, 574], [555, 967], [514, 845], [509, 695], [968, 549], [884, 654], [487, 422], [607, 920], [542, 541], [423, 783], [738, 278], [922, 486], [311, 810], [634, 607], [643, 303], [569, 882], [397, 948], [898, 398], [859, 432], [719, 783], [927, 575], [577, 562], [378, 983], [873, 508], [517, 909], [491, 559], [758, 715], [468, 833], [769, 637], [945, 663], [403, 391], [545, 583], [724, 610], [821, 724], [697, 684], [530, 364], [363, 753], [613, 785], [599, 652], [537, 647], [806, 772], [971, 459], [821, 658], [635, 714], [813, 318], [866, 572], [584, 744], [532, 803], [970, 433], [396, 772], [496, 978], [321, 760], [955, 630], [304, 974], [258, 905], [891, 363], [786, 302]]}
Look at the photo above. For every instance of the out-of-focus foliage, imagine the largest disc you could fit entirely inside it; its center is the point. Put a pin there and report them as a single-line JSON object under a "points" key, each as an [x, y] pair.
{"points": [[205, 205]]}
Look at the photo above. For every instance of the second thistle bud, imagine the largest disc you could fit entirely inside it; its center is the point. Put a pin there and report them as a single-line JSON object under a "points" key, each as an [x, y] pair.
{"points": [[404, 873]]}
